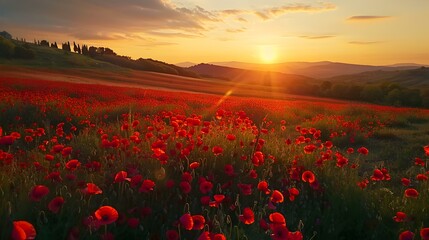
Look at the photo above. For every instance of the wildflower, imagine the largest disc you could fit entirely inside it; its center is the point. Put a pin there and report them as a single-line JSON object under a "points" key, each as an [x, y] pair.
{"points": [[92, 189], [363, 151], [276, 197], [23, 230], [186, 221], [56, 204], [147, 186], [106, 215], [400, 217], [121, 176], [424, 233], [263, 187], [406, 235], [308, 176], [199, 222], [411, 193], [38, 192], [248, 217]]}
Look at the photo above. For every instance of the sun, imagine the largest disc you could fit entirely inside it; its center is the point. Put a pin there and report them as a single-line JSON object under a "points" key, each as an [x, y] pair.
{"points": [[268, 53]]}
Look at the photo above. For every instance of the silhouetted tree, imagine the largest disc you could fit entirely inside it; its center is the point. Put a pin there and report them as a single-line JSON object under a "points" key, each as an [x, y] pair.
{"points": [[78, 49], [44, 43], [85, 50], [92, 51], [6, 35], [74, 47]]}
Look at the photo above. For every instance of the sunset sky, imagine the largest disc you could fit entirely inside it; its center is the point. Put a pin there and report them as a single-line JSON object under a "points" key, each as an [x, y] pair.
{"points": [[375, 32]]}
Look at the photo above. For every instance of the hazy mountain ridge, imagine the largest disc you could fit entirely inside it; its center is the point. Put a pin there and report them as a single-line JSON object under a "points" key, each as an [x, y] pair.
{"points": [[322, 69]]}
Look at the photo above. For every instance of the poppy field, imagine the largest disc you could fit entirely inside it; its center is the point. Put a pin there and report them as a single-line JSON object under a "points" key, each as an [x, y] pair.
{"points": [[85, 161]]}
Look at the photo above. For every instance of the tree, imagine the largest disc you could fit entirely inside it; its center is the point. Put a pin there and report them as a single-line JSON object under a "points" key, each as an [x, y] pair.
{"points": [[6, 48], [44, 43], [85, 50], [74, 47], [6, 35]]}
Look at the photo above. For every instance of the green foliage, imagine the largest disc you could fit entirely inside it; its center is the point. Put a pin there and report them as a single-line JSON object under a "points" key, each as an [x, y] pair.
{"points": [[6, 48]]}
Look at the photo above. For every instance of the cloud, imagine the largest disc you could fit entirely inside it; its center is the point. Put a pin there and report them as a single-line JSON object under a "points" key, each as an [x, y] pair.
{"points": [[367, 18], [317, 37], [102, 19], [235, 30], [272, 12], [269, 13], [364, 42]]}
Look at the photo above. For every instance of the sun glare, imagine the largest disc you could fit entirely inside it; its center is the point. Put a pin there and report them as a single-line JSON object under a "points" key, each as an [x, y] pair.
{"points": [[267, 53]]}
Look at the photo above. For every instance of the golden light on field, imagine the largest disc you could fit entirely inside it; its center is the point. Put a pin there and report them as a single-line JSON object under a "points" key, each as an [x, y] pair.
{"points": [[268, 54]]}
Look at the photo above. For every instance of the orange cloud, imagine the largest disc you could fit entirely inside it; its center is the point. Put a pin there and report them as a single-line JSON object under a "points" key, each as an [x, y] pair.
{"points": [[367, 18]]}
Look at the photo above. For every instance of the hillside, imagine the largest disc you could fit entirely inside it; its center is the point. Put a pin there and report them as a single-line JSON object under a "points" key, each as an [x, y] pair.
{"points": [[263, 78], [418, 77], [323, 69], [97, 58]]}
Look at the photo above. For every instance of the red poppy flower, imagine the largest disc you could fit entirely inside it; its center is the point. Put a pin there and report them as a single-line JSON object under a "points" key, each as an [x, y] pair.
{"points": [[424, 233], [147, 186], [199, 222], [308, 176], [219, 198], [406, 235], [411, 193], [279, 232], [248, 217], [421, 177], [56, 204], [405, 181], [92, 189], [217, 150], [295, 236], [419, 161], [23, 230], [185, 187], [263, 187], [72, 164], [258, 158], [426, 149], [186, 221], [106, 215], [276, 197], [186, 176], [230, 137], [49, 157], [377, 175], [194, 165], [172, 235], [205, 187], [38, 192], [121, 176], [204, 236], [309, 148], [229, 170], [218, 236], [293, 193], [363, 150], [400, 217], [277, 218], [350, 150]]}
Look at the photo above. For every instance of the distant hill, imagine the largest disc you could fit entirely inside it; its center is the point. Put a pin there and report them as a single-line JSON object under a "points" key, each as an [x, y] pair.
{"points": [[324, 69], [265, 78], [46, 56], [417, 77], [185, 64]]}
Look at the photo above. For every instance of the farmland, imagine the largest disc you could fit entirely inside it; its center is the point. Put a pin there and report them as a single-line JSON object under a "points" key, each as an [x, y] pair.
{"points": [[92, 161]]}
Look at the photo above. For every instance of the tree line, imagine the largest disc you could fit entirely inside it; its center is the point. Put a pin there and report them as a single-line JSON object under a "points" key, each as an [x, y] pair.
{"points": [[385, 93]]}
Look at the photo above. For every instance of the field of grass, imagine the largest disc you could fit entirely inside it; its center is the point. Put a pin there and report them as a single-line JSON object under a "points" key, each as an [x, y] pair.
{"points": [[86, 161]]}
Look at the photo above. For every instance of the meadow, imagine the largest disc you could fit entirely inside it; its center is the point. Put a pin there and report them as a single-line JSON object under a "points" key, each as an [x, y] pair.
{"points": [[88, 161]]}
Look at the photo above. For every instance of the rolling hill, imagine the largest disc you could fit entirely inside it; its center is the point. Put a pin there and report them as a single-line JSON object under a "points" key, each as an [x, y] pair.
{"points": [[417, 77], [262, 78], [323, 69]]}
